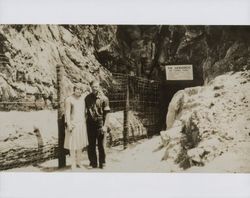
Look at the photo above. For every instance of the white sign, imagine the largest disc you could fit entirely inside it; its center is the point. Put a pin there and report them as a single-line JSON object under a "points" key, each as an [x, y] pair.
{"points": [[179, 72]]}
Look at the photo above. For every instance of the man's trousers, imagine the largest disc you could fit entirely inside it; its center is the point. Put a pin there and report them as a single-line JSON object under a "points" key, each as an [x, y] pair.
{"points": [[95, 136]]}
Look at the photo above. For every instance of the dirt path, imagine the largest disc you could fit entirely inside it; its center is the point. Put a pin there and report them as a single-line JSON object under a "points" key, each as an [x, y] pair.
{"points": [[142, 156]]}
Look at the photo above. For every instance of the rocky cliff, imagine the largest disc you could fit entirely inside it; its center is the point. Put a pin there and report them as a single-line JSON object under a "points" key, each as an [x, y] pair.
{"points": [[212, 50], [29, 54]]}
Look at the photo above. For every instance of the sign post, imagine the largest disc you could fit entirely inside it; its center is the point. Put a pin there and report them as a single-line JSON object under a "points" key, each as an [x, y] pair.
{"points": [[126, 117]]}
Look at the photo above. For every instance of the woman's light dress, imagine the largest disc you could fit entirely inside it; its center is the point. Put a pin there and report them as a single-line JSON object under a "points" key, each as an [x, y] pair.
{"points": [[75, 114]]}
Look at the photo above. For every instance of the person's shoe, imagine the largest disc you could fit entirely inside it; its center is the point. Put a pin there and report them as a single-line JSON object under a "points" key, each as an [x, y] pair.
{"points": [[92, 165], [79, 166], [73, 167], [101, 166]]}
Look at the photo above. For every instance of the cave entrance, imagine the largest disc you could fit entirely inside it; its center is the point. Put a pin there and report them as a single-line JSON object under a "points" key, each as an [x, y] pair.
{"points": [[178, 77], [167, 90], [149, 99]]}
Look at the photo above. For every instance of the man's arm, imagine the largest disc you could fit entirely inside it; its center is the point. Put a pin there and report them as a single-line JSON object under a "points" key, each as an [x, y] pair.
{"points": [[86, 110], [106, 110], [105, 126]]}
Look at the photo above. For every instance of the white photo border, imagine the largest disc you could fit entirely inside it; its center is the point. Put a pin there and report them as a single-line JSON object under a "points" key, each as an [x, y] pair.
{"points": [[178, 12]]}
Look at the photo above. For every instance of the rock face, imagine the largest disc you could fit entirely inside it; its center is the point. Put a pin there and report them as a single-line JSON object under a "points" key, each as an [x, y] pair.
{"points": [[206, 122], [212, 50], [30, 54], [24, 143], [228, 50]]}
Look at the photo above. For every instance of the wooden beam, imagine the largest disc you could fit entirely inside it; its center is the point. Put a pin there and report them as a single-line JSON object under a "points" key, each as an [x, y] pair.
{"points": [[60, 117]]}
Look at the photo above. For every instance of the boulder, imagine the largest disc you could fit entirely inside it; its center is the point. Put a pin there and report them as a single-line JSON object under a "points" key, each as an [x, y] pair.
{"points": [[115, 127], [172, 134], [210, 125]]}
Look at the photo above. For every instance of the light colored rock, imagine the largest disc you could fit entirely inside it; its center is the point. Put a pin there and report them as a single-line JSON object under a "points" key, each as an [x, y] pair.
{"points": [[196, 154], [173, 134], [209, 130], [6, 91], [34, 51], [115, 126], [173, 108]]}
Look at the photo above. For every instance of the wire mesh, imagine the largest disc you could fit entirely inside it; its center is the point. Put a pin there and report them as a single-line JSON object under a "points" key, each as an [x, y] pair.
{"points": [[17, 157], [144, 98]]}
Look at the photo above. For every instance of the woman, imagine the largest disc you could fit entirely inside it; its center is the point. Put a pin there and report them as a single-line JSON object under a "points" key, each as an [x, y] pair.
{"points": [[76, 132]]}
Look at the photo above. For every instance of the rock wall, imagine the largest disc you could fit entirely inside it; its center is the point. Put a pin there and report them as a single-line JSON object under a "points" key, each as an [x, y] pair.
{"points": [[212, 50], [30, 54], [228, 50]]}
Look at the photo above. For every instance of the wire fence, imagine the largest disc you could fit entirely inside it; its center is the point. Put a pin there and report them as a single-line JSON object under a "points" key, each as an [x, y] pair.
{"points": [[143, 100], [144, 97], [19, 157]]}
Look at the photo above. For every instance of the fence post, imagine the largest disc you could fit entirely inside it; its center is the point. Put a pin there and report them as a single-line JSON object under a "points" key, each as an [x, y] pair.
{"points": [[60, 116], [126, 117]]}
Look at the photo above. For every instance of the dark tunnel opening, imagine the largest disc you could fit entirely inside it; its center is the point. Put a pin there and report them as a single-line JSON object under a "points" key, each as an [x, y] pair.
{"points": [[167, 91]]}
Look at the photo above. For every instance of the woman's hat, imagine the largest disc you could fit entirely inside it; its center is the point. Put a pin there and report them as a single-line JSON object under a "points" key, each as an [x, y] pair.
{"points": [[78, 85]]}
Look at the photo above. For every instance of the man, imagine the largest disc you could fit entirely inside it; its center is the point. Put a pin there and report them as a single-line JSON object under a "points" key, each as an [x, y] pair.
{"points": [[97, 105]]}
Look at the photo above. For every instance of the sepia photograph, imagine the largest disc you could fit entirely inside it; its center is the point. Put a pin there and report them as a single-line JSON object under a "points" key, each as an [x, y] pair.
{"points": [[124, 98]]}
